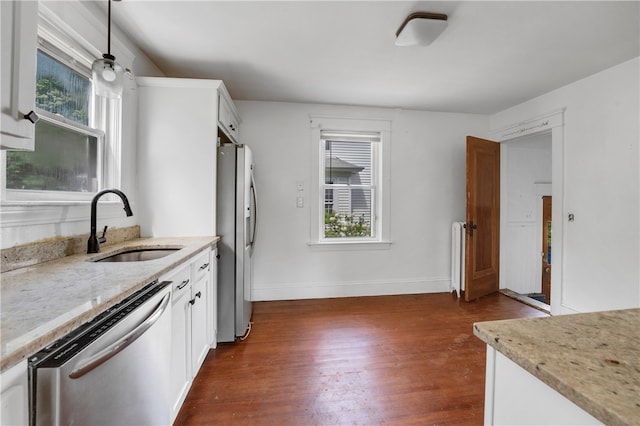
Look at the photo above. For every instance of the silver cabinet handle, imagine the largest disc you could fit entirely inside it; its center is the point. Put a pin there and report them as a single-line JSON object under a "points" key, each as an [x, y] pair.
{"points": [[205, 266], [183, 284], [193, 301], [88, 364]]}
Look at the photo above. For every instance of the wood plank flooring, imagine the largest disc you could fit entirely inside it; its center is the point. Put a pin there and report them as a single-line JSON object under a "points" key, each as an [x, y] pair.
{"points": [[387, 360]]}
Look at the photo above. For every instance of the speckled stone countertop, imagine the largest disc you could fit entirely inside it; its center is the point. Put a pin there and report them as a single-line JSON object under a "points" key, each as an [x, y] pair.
{"points": [[42, 303], [593, 359]]}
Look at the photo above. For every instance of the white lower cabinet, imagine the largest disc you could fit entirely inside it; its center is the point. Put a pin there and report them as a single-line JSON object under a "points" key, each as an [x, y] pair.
{"points": [[14, 395], [193, 285], [180, 331], [199, 295], [513, 396]]}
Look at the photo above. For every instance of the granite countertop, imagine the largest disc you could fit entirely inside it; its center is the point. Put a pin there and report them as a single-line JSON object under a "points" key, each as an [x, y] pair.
{"points": [[41, 303], [593, 359]]}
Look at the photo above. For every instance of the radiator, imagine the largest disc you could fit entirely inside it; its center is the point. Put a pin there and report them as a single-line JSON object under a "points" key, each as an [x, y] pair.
{"points": [[457, 257]]}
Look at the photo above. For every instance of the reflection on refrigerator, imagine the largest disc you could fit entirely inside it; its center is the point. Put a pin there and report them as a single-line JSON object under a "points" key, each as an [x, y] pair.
{"points": [[236, 225]]}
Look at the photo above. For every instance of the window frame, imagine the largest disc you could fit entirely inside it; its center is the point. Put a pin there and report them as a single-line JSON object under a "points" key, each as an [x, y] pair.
{"points": [[346, 184], [382, 210]]}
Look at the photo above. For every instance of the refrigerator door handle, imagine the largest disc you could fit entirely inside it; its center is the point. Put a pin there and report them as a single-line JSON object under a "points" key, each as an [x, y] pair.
{"points": [[255, 209]]}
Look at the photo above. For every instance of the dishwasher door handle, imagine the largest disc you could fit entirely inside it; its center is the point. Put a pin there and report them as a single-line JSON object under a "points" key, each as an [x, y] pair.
{"points": [[86, 365]]}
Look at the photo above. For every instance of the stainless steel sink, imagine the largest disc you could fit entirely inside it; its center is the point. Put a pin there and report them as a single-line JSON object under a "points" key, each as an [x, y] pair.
{"points": [[138, 255]]}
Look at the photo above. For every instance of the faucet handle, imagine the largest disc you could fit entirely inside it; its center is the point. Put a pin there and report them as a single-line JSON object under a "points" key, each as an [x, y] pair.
{"points": [[103, 238]]}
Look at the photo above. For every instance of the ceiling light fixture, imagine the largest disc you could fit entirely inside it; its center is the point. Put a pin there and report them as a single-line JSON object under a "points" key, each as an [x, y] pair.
{"points": [[421, 29], [107, 73]]}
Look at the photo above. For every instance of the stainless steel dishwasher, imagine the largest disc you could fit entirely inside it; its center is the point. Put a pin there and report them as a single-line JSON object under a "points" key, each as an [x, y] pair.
{"points": [[114, 370]]}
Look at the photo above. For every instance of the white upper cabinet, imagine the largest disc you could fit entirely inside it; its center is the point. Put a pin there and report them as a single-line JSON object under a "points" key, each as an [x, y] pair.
{"points": [[19, 43], [228, 118]]}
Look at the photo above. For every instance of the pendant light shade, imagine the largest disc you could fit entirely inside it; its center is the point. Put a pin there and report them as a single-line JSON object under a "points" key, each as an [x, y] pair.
{"points": [[107, 74], [107, 77]]}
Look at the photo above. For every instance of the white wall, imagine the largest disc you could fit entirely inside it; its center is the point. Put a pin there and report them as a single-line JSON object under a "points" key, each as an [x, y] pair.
{"points": [[527, 173], [28, 222], [601, 248], [427, 195]]}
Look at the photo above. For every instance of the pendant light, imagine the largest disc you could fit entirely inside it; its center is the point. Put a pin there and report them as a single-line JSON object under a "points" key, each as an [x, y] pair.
{"points": [[106, 72]]}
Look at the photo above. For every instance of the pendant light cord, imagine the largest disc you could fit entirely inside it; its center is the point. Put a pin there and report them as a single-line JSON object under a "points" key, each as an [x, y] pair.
{"points": [[109, 29]]}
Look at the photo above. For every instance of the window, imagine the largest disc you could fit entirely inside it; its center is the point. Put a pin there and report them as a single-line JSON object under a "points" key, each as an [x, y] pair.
{"points": [[67, 150], [76, 137], [351, 194], [350, 181]]}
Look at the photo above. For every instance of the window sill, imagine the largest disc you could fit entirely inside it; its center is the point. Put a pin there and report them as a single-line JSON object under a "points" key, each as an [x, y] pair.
{"points": [[55, 203], [34, 203], [27, 213], [350, 245]]}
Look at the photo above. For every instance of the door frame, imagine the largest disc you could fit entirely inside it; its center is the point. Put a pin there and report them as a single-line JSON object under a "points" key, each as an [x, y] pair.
{"points": [[552, 122]]}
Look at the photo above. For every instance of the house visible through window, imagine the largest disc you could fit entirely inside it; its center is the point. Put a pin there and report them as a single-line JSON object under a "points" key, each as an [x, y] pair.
{"points": [[351, 173]]}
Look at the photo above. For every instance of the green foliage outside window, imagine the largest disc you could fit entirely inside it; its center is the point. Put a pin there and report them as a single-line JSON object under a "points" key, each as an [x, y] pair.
{"points": [[340, 225], [52, 96]]}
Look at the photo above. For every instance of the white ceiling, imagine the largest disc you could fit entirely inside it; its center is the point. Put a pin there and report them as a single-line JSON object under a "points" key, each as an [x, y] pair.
{"points": [[492, 55]]}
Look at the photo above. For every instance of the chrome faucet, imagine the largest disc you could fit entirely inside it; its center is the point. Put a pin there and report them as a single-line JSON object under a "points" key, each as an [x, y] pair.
{"points": [[93, 245]]}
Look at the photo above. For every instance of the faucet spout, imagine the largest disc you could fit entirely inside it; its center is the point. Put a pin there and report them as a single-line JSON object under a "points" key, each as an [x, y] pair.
{"points": [[93, 245]]}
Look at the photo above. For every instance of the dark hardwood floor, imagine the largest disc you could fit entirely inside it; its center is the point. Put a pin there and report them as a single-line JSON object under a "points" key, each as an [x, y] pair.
{"points": [[388, 360]]}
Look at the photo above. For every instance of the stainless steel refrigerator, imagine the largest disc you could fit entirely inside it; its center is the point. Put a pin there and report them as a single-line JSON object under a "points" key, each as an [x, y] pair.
{"points": [[236, 224]]}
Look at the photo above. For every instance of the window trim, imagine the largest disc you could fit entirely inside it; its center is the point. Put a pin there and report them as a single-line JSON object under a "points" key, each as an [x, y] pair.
{"points": [[316, 205]]}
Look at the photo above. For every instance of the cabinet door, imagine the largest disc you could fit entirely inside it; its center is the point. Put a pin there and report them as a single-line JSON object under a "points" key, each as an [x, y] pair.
{"points": [[180, 337], [18, 72], [199, 328], [205, 267], [227, 117], [13, 395]]}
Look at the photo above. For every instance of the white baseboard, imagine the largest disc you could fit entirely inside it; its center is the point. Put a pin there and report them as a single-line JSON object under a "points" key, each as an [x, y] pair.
{"points": [[296, 291]]}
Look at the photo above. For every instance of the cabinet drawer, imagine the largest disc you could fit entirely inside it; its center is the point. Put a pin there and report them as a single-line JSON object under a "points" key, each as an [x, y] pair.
{"points": [[180, 279], [201, 265]]}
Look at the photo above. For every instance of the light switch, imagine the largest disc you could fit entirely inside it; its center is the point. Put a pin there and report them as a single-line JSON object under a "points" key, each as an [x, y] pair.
{"points": [[300, 202]]}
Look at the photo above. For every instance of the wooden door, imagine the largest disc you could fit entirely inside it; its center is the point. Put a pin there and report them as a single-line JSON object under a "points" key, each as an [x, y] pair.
{"points": [[546, 248], [482, 252]]}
